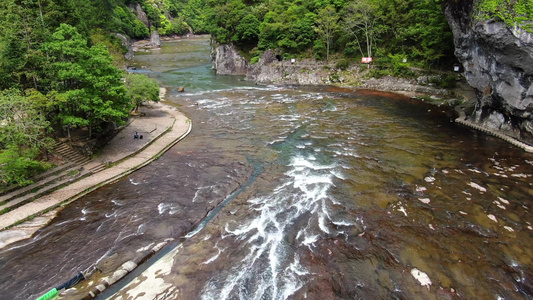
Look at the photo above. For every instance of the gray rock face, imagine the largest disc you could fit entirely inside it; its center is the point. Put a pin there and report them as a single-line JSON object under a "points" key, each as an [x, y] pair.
{"points": [[498, 64], [155, 40], [394, 84], [141, 15], [272, 69], [126, 42], [269, 70], [228, 61]]}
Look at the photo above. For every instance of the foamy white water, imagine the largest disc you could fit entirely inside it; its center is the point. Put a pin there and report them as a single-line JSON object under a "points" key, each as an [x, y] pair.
{"points": [[271, 264]]}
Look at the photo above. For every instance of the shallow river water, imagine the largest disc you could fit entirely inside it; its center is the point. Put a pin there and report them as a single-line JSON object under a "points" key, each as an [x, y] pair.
{"points": [[298, 193]]}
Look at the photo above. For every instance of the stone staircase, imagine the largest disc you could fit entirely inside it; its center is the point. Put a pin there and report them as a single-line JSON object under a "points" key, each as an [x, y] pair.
{"points": [[69, 154], [50, 180]]}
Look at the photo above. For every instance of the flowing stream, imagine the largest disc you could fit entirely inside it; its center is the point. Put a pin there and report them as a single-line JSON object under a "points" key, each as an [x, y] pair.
{"points": [[298, 193]]}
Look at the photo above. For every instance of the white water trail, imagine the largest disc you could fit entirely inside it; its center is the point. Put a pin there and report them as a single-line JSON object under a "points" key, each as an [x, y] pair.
{"points": [[272, 268]]}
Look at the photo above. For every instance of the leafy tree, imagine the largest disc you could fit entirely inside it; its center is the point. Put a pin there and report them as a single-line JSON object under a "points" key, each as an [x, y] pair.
{"points": [[141, 88], [127, 23], [196, 15], [91, 91], [428, 36], [23, 130], [23, 124], [247, 32], [327, 25], [25, 26], [288, 26], [17, 166], [179, 26], [360, 21], [226, 18]]}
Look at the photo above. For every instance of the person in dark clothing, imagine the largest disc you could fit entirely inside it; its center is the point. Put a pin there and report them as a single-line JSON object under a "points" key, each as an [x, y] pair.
{"points": [[136, 136]]}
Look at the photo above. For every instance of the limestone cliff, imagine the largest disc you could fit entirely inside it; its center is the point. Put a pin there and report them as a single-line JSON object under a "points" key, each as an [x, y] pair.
{"points": [[498, 64], [228, 61]]}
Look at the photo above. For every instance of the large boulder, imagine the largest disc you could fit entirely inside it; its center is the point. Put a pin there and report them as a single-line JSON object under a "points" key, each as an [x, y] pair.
{"points": [[498, 64]]}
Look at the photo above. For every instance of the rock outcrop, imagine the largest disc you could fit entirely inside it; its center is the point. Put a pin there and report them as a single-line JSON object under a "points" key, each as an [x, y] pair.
{"points": [[126, 42], [498, 64], [410, 86], [228, 61], [270, 69], [141, 15], [273, 69], [155, 39]]}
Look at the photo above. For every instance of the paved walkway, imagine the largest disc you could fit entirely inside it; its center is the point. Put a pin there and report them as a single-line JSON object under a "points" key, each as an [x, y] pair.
{"points": [[161, 127], [464, 121]]}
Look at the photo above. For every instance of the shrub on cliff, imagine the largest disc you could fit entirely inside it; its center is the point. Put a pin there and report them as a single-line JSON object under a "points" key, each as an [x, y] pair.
{"points": [[514, 13]]}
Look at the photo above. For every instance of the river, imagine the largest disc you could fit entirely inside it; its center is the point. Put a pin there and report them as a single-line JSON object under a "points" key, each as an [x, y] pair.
{"points": [[298, 193]]}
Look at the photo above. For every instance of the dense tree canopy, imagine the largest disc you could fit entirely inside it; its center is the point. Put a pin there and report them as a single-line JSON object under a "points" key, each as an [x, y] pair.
{"points": [[89, 87], [23, 129], [413, 28], [56, 70]]}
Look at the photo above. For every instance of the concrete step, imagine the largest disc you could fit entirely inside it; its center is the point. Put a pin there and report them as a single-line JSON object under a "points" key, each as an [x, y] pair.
{"points": [[19, 201], [39, 180], [40, 185], [49, 178], [70, 154], [98, 168]]}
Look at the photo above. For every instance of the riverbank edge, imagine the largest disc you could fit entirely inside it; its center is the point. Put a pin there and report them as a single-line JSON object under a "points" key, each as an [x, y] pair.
{"points": [[115, 165], [272, 69], [104, 282]]}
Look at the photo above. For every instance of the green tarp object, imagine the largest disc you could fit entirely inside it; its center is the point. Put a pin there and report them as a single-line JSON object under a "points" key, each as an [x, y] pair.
{"points": [[52, 294]]}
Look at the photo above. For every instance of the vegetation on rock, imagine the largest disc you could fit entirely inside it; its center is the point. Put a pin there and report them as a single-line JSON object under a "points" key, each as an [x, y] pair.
{"points": [[517, 13]]}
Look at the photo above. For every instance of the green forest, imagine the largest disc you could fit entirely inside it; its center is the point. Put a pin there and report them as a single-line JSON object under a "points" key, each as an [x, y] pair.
{"points": [[62, 64], [346, 29]]}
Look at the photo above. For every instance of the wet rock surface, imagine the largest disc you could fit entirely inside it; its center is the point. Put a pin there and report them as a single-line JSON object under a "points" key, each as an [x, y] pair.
{"points": [[339, 211]]}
